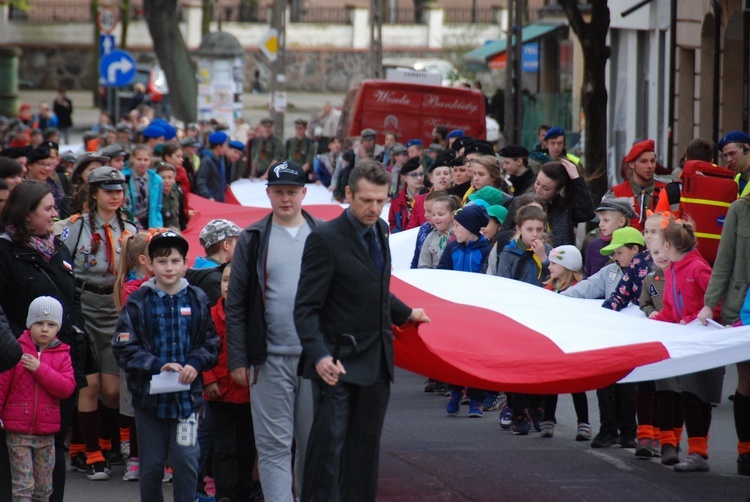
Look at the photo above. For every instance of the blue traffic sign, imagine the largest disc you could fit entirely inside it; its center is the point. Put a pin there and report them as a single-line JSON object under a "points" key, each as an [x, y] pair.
{"points": [[117, 69], [106, 44]]}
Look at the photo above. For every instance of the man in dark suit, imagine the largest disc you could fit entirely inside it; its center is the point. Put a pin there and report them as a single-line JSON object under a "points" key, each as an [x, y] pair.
{"points": [[343, 289]]}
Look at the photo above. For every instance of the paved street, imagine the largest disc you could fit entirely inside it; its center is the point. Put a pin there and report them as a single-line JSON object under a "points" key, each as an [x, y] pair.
{"points": [[428, 456]]}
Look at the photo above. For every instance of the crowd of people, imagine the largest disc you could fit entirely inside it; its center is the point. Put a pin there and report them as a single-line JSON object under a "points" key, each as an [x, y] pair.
{"points": [[95, 287]]}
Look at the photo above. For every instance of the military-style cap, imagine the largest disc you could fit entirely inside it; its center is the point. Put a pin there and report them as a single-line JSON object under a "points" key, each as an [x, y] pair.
{"points": [[368, 133], [513, 152], [108, 178], [397, 149], [112, 151], [300, 122], [216, 231]]}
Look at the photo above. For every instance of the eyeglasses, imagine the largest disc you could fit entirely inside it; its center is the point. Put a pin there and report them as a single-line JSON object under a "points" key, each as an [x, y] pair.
{"points": [[420, 174]]}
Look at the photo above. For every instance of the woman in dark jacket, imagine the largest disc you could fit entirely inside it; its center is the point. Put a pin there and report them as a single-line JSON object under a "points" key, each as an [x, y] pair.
{"points": [[10, 350], [567, 200], [33, 263]]}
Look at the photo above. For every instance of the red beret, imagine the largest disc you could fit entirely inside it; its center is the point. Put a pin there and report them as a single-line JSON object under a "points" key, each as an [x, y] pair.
{"points": [[644, 146]]}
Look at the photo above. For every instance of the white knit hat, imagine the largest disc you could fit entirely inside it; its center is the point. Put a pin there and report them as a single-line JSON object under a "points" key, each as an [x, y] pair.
{"points": [[568, 256], [44, 308]]}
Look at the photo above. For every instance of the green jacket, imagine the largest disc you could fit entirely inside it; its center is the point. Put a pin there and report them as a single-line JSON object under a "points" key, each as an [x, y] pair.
{"points": [[731, 271]]}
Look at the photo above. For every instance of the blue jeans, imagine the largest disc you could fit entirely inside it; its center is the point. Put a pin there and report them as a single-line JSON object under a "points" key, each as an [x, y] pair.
{"points": [[167, 439]]}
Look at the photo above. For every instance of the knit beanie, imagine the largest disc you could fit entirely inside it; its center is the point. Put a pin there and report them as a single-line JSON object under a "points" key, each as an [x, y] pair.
{"points": [[472, 218], [44, 308], [567, 256]]}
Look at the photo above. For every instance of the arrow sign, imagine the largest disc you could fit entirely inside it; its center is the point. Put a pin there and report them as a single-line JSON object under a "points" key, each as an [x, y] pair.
{"points": [[117, 69], [106, 44], [269, 44]]}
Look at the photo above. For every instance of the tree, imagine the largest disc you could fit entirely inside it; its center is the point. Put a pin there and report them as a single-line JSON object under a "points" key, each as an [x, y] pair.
{"points": [[593, 38], [174, 58]]}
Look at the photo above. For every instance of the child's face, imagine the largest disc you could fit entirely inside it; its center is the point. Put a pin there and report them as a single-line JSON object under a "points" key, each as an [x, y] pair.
{"points": [[461, 234], [659, 253], [672, 253], [491, 229], [530, 231], [651, 228], [168, 180], [141, 161], [225, 282], [414, 180], [556, 270], [442, 216], [481, 177], [440, 177], [428, 210], [42, 333], [624, 255], [168, 270], [609, 221]]}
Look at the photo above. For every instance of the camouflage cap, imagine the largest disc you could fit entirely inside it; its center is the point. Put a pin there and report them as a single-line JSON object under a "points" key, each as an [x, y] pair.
{"points": [[216, 231]]}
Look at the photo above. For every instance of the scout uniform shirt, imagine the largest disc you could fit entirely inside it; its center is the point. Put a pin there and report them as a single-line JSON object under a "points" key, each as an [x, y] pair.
{"points": [[170, 208], [300, 151], [92, 254], [266, 150]]}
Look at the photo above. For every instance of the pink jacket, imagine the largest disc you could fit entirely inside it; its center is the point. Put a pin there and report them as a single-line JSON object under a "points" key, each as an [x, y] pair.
{"points": [[685, 283], [30, 402]]}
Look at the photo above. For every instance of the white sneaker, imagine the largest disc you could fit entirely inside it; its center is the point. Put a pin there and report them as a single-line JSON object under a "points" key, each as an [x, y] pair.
{"points": [[132, 470], [125, 448], [167, 476]]}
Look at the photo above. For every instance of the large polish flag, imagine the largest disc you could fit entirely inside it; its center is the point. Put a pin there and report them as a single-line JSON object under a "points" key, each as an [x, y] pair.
{"points": [[497, 334]]}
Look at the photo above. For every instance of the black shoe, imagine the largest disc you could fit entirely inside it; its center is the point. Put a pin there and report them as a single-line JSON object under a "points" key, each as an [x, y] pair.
{"points": [[114, 457], [78, 463], [603, 440], [97, 471], [669, 455], [627, 442], [743, 464], [537, 417]]}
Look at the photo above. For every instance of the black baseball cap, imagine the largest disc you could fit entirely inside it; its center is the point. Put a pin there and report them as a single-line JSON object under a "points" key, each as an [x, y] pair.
{"points": [[286, 173], [168, 238]]}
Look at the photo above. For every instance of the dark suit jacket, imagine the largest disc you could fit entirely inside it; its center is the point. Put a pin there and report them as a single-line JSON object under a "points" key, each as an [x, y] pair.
{"points": [[341, 292]]}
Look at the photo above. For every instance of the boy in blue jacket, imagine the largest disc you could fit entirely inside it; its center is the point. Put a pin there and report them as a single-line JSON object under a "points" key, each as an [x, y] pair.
{"points": [[166, 327], [468, 252]]}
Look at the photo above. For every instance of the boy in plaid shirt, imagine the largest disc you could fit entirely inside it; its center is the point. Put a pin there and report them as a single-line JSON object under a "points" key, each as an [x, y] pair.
{"points": [[166, 327]]}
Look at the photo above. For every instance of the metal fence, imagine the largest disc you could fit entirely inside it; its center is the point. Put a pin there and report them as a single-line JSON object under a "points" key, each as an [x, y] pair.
{"points": [[463, 15], [54, 11]]}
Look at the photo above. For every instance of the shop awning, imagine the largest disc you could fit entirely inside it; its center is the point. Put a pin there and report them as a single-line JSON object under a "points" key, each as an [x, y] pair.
{"points": [[492, 54]]}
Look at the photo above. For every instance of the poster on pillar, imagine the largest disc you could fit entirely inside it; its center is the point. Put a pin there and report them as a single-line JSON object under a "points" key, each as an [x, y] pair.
{"points": [[220, 89]]}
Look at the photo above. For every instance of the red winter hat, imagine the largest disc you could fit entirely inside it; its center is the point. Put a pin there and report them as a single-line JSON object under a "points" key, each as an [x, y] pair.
{"points": [[644, 146]]}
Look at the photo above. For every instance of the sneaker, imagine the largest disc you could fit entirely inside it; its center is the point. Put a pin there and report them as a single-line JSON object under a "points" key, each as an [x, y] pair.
{"points": [[97, 471], [114, 457], [645, 448], [125, 448], [475, 409], [453, 407], [669, 455], [167, 475], [464, 398], [743, 464], [521, 426], [202, 497], [78, 463], [627, 442], [692, 463], [537, 417], [506, 417], [584, 432], [603, 440], [440, 389], [132, 470], [547, 429], [429, 385], [491, 402]]}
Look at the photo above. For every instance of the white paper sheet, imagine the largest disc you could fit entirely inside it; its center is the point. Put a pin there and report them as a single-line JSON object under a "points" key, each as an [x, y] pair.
{"points": [[167, 381]]}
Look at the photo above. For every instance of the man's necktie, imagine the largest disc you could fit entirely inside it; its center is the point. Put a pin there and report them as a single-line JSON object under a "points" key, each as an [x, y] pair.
{"points": [[374, 249]]}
